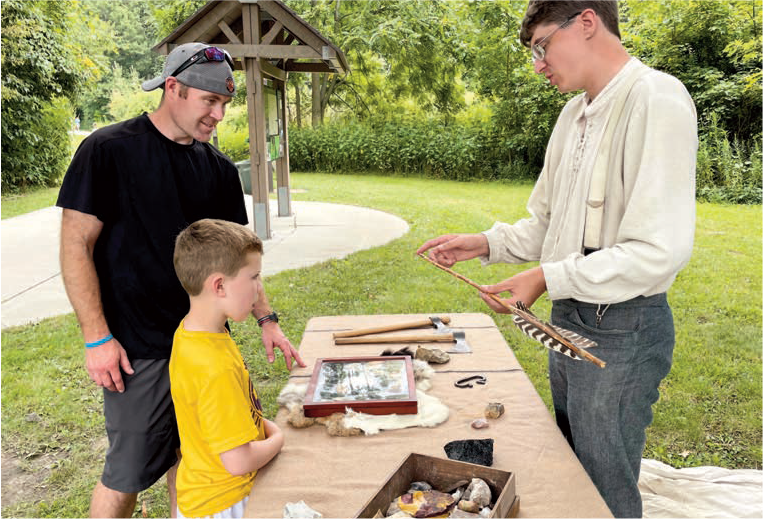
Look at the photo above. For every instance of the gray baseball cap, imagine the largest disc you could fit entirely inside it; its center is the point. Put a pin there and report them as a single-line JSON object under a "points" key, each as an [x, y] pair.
{"points": [[212, 76]]}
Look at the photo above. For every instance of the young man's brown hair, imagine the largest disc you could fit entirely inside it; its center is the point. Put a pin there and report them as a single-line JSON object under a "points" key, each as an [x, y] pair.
{"points": [[555, 11], [209, 246]]}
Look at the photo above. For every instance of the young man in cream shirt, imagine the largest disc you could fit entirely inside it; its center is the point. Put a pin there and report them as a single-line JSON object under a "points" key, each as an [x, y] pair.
{"points": [[614, 292]]}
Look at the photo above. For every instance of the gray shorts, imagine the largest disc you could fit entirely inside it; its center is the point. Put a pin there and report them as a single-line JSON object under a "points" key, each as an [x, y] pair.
{"points": [[142, 429]]}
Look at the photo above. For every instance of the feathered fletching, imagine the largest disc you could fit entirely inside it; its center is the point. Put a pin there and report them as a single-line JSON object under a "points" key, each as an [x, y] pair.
{"points": [[532, 327]]}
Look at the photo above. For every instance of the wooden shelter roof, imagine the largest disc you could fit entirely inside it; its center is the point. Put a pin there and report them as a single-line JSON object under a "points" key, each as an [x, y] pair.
{"points": [[288, 43]]}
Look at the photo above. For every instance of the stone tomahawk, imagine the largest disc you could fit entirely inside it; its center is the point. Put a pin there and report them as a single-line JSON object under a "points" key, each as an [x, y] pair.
{"points": [[552, 337]]}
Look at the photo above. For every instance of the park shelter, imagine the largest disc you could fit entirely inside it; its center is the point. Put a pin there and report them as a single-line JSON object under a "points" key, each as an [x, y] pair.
{"points": [[267, 40]]}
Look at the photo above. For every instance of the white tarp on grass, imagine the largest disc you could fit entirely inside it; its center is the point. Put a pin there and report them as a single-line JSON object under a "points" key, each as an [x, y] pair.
{"points": [[700, 492]]}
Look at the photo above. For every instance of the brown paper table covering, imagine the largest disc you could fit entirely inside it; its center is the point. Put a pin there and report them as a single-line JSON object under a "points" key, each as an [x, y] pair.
{"points": [[336, 476]]}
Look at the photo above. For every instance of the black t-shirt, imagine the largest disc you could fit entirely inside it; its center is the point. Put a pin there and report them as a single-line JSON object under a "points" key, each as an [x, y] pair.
{"points": [[145, 189]]}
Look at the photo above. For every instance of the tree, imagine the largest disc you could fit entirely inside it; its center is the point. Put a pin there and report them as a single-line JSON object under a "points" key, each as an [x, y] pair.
{"points": [[397, 49], [132, 32], [714, 48], [43, 66]]}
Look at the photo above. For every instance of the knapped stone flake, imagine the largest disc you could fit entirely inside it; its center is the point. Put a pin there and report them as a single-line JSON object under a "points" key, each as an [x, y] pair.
{"points": [[480, 423], [494, 410], [432, 355], [300, 510], [469, 506], [479, 492]]}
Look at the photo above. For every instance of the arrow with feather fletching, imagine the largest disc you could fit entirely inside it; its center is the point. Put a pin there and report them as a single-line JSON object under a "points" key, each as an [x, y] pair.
{"points": [[551, 336]]}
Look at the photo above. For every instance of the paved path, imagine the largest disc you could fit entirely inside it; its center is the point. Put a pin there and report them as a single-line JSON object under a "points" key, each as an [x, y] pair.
{"points": [[31, 276]]}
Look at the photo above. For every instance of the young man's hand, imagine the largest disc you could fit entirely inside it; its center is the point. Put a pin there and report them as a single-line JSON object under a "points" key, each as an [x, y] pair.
{"points": [[449, 249], [526, 286], [273, 337]]}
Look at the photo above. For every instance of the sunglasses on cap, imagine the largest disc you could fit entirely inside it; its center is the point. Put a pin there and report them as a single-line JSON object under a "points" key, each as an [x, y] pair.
{"points": [[203, 56]]}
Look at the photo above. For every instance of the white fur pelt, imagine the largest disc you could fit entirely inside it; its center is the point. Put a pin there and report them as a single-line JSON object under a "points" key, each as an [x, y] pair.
{"points": [[431, 411]]}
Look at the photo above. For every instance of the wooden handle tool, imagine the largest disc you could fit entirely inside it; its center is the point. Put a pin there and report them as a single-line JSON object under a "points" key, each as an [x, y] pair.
{"points": [[383, 339], [421, 323]]}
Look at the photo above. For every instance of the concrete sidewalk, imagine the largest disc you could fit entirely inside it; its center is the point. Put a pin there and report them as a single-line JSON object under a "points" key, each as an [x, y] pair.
{"points": [[32, 288]]}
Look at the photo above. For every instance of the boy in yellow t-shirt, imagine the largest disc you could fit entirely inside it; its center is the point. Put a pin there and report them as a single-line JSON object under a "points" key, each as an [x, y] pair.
{"points": [[224, 438]]}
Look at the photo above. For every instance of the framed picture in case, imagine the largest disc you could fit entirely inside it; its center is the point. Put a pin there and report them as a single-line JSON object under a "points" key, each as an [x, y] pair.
{"points": [[373, 385]]}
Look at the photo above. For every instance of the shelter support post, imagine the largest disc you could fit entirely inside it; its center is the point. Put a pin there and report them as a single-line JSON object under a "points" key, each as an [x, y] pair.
{"points": [[250, 17], [282, 164]]}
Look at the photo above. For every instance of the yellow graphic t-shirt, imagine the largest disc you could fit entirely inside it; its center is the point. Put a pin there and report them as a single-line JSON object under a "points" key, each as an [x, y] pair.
{"points": [[217, 410]]}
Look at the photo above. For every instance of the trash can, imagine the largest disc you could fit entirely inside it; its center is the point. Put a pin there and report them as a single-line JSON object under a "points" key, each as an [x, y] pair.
{"points": [[245, 175]]}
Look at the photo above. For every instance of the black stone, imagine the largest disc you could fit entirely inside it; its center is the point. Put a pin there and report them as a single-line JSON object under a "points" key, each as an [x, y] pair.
{"points": [[471, 451]]}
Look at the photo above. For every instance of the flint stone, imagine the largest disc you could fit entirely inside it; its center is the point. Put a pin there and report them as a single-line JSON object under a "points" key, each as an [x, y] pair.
{"points": [[469, 506], [300, 510], [485, 512], [432, 355], [479, 492], [456, 485], [480, 423], [494, 410], [471, 451], [420, 485], [393, 508], [399, 515]]}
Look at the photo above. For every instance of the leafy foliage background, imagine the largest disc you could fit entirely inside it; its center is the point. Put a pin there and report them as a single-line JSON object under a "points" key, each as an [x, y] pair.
{"points": [[441, 89]]}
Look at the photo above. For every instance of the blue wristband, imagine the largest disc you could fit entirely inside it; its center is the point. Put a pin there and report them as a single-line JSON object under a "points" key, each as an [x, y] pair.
{"points": [[99, 342]]}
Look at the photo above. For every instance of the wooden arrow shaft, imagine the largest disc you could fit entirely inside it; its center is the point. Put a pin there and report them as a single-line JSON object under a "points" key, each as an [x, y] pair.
{"points": [[513, 309]]}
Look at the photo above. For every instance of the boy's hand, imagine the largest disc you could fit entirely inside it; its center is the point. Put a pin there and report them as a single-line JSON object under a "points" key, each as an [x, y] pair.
{"points": [[273, 337], [274, 433], [271, 428]]}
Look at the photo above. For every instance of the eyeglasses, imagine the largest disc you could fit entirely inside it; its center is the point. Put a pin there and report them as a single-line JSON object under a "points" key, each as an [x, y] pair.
{"points": [[539, 50], [203, 56]]}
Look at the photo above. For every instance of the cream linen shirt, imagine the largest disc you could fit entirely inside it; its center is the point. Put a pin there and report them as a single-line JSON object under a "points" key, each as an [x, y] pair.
{"points": [[649, 211]]}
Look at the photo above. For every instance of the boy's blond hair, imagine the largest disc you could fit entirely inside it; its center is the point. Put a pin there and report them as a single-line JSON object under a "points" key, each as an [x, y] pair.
{"points": [[209, 246]]}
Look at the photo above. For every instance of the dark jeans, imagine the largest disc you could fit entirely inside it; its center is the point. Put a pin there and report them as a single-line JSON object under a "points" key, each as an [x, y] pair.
{"points": [[604, 412]]}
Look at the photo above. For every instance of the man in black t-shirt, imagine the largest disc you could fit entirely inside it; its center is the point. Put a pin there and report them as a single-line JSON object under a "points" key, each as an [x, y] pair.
{"points": [[129, 191]]}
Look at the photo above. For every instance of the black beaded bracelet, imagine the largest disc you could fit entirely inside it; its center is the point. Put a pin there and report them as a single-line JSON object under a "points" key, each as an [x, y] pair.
{"points": [[265, 318]]}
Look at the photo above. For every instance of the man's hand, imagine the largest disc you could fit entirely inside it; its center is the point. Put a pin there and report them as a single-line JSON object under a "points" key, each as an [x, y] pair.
{"points": [[526, 286], [273, 337], [449, 249], [103, 363]]}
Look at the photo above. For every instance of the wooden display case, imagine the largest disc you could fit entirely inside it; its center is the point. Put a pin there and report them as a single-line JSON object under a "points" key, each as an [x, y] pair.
{"points": [[442, 474], [373, 385]]}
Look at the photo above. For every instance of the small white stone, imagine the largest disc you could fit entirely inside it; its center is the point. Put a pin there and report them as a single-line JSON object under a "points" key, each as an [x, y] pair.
{"points": [[299, 510], [479, 492]]}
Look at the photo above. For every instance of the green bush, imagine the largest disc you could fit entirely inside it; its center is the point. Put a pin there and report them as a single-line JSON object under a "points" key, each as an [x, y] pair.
{"points": [[128, 100], [39, 152], [727, 171], [428, 148], [40, 69], [233, 133]]}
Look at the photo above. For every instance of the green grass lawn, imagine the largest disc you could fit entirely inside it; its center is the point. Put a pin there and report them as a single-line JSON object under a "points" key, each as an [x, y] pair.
{"points": [[709, 412]]}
